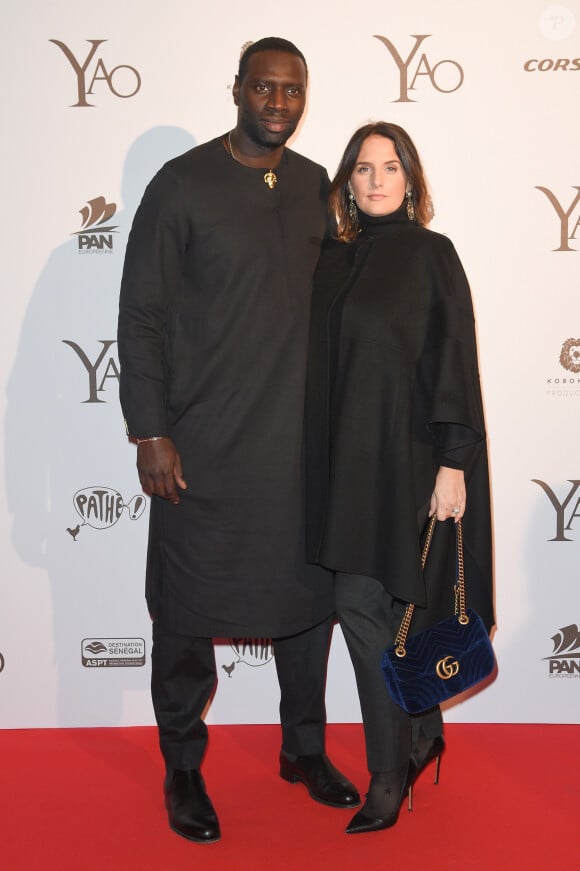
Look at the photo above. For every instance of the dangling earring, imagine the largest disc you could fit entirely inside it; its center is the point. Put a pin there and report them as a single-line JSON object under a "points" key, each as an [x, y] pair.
{"points": [[410, 206], [352, 212]]}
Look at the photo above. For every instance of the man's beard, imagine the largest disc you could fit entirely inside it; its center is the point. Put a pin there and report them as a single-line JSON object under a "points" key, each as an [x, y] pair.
{"points": [[262, 137]]}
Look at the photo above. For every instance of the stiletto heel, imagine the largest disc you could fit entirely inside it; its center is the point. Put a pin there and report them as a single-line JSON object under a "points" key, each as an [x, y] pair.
{"points": [[410, 794], [422, 756], [437, 767]]}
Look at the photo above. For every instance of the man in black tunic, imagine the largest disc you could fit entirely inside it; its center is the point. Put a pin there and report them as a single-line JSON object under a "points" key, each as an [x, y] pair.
{"points": [[213, 331]]}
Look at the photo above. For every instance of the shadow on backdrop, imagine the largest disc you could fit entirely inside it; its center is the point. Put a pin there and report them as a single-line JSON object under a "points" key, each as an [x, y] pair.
{"points": [[65, 434]]}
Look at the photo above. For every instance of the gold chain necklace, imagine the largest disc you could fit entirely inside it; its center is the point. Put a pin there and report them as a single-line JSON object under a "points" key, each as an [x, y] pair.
{"points": [[270, 177]]}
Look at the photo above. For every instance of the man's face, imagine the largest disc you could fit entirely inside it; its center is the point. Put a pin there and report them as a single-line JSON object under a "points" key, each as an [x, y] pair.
{"points": [[271, 97]]}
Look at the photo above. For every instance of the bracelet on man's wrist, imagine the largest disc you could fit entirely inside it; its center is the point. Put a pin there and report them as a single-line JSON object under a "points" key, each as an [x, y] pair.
{"points": [[136, 441]]}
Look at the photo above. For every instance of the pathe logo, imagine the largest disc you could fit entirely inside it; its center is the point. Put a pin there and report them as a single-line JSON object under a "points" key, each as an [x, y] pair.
{"points": [[565, 511], [104, 367], [113, 652], [565, 658], [569, 359], [122, 80], [446, 76], [94, 237], [251, 651], [101, 508], [569, 222]]}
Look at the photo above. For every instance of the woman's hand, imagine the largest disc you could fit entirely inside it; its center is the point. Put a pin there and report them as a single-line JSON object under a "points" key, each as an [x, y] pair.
{"points": [[448, 499]]}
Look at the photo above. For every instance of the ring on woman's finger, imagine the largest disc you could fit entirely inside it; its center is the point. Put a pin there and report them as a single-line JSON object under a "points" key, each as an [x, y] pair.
{"points": [[455, 510]]}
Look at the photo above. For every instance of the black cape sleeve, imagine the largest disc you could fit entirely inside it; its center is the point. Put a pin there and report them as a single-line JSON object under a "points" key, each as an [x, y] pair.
{"points": [[456, 423]]}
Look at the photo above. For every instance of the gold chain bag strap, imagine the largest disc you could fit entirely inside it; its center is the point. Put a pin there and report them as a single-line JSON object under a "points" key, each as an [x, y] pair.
{"points": [[445, 659]]}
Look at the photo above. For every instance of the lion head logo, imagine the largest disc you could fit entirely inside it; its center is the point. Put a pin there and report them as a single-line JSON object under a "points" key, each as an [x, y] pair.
{"points": [[570, 355]]}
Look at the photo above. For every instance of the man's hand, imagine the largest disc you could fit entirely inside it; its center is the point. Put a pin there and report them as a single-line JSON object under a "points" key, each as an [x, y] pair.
{"points": [[159, 467], [448, 499]]}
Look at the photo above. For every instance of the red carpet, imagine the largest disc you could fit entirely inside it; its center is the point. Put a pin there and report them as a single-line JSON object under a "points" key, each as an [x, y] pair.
{"points": [[90, 800]]}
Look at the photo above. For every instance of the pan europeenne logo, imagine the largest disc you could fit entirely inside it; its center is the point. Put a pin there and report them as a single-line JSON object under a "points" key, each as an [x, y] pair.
{"points": [[96, 235], [101, 508], [251, 651], [565, 658]]}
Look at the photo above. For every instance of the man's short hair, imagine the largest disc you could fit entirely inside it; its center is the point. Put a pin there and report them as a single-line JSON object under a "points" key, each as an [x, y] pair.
{"points": [[269, 43]]}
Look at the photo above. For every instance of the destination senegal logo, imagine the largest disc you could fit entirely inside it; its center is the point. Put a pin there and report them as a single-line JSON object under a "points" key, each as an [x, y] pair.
{"points": [[113, 652]]}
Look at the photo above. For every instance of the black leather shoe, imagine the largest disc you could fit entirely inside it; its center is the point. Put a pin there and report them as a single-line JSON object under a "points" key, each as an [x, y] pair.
{"points": [[322, 780], [191, 813], [386, 793]]}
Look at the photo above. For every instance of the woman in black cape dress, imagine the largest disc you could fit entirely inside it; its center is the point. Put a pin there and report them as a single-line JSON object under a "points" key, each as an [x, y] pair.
{"points": [[394, 433]]}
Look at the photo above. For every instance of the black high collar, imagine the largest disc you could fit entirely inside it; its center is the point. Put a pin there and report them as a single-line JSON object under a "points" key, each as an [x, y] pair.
{"points": [[375, 225]]}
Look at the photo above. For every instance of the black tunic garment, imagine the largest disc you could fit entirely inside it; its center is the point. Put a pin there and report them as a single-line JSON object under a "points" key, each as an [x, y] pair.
{"points": [[393, 393], [213, 333]]}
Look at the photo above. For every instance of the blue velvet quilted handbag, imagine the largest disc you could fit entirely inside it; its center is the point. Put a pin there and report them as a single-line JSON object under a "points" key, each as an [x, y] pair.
{"points": [[443, 660]]}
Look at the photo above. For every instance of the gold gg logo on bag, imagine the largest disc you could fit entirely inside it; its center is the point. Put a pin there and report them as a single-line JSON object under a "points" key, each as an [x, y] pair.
{"points": [[446, 669]]}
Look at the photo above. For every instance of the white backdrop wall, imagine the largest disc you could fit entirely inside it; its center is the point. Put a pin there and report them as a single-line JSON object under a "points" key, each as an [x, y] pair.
{"points": [[93, 104]]}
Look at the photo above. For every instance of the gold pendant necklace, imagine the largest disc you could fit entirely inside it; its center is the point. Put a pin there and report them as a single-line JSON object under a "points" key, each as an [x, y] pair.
{"points": [[270, 177]]}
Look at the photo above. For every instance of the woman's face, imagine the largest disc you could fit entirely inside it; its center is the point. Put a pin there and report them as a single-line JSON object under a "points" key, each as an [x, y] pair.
{"points": [[378, 180]]}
